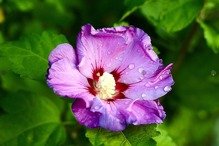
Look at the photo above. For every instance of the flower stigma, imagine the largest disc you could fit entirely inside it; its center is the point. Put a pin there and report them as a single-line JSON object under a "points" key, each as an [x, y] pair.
{"points": [[106, 86]]}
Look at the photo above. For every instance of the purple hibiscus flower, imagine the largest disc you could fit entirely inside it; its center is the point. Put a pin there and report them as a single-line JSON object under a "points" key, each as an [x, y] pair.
{"points": [[114, 75]]}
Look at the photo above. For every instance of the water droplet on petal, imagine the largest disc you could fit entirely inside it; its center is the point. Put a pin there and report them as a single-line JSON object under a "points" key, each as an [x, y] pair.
{"points": [[141, 78], [96, 107], [156, 87], [131, 66], [160, 61], [167, 88], [143, 95], [161, 77], [167, 72], [142, 71]]}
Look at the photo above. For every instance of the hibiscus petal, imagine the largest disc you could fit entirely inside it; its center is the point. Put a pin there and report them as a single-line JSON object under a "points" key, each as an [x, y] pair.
{"points": [[110, 117], [84, 115], [62, 51], [152, 88], [140, 61], [96, 48], [65, 79], [125, 49], [140, 111]]}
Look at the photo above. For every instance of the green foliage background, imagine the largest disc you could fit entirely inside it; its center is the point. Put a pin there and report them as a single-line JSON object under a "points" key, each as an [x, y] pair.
{"points": [[185, 32]]}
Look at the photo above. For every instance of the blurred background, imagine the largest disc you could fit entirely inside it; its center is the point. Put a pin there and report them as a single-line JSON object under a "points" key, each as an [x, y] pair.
{"points": [[183, 32]]}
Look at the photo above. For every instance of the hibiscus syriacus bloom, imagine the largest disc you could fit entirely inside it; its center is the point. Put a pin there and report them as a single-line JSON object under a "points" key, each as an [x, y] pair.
{"points": [[114, 75]]}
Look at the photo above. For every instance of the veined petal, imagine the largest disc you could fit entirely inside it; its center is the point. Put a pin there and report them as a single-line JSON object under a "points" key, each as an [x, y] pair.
{"points": [[63, 51], [84, 115], [99, 48], [65, 79], [140, 61], [152, 88], [127, 50], [110, 118], [140, 111]]}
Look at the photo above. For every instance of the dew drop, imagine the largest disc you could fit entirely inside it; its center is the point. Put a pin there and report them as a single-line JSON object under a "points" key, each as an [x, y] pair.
{"points": [[161, 77], [142, 71], [143, 95], [156, 87], [141, 78], [131, 66], [213, 73], [96, 107], [160, 61], [167, 88]]}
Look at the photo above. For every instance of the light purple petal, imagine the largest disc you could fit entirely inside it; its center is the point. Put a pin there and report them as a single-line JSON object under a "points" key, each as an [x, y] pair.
{"points": [[65, 79], [84, 115], [152, 88], [140, 61], [63, 51], [98, 49], [140, 111], [115, 116], [110, 117], [125, 49]]}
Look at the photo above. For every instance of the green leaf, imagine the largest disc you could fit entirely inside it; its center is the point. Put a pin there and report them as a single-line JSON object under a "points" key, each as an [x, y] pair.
{"points": [[28, 56], [209, 22], [30, 120], [60, 14], [122, 23], [131, 6], [133, 135], [163, 139], [23, 5], [171, 16], [12, 82], [211, 35]]}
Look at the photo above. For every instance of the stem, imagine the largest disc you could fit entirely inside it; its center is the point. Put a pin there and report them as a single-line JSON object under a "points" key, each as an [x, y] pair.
{"points": [[185, 46], [64, 112], [68, 123]]}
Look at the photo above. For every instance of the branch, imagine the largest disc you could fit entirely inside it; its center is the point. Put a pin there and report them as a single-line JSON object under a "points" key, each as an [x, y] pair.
{"points": [[185, 46]]}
